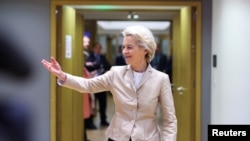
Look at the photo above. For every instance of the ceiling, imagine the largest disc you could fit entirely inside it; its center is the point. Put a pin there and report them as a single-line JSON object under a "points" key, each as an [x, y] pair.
{"points": [[120, 13]]}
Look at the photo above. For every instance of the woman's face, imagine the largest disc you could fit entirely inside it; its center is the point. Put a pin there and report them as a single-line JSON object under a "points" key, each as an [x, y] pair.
{"points": [[134, 55], [86, 42]]}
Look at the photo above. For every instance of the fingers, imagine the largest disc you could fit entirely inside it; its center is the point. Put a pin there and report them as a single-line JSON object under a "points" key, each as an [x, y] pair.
{"points": [[53, 60], [52, 66], [46, 64], [89, 63], [44, 61]]}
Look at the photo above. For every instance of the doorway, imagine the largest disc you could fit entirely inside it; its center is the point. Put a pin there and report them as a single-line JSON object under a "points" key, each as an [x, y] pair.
{"points": [[185, 44]]}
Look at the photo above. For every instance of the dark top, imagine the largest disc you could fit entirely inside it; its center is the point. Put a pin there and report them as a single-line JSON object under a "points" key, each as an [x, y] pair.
{"points": [[100, 63]]}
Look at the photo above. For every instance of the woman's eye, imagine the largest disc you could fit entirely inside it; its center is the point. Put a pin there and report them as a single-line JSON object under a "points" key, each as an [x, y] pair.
{"points": [[129, 47]]}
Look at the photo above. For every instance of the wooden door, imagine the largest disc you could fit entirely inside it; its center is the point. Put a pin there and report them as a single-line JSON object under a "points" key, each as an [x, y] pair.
{"points": [[183, 74], [69, 121]]}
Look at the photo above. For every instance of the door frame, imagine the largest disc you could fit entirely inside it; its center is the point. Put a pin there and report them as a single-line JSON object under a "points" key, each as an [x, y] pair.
{"points": [[197, 4]]}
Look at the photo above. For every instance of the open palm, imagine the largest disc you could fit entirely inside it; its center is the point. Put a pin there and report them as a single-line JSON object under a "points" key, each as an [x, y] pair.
{"points": [[54, 67]]}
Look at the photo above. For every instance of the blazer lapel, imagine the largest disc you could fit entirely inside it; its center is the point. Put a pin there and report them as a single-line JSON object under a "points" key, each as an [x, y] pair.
{"points": [[145, 76], [128, 77]]}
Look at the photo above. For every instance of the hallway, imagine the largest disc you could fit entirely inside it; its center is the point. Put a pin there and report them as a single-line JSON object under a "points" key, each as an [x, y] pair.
{"points": [[99, 134]]}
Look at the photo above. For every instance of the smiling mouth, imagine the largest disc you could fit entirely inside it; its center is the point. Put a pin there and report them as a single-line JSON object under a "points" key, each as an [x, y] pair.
{"points": [[127, 57]]}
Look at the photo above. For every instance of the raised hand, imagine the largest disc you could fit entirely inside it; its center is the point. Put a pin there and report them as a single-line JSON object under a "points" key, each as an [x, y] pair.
{"points": [[54, 67]]}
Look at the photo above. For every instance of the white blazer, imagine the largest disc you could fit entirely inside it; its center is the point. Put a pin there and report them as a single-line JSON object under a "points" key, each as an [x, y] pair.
{"points": [[135, 109]]}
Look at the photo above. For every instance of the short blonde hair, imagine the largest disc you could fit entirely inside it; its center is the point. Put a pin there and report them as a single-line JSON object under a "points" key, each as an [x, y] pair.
{"points": [[144, 39]]}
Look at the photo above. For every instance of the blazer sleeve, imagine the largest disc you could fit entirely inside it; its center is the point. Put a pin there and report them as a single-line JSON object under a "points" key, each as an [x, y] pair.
{"points": [[86, 85], [169, 120]]}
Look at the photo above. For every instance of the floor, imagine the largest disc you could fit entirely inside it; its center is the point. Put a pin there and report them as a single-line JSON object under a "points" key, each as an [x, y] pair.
{"points": [[99, 134]]}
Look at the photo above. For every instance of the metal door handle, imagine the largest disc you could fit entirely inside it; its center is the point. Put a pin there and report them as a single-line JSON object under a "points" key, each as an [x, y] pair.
{"points": [[180, 88]]}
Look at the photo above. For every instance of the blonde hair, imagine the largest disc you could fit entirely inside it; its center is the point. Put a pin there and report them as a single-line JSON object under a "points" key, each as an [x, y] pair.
{"points": [[144, 39]]}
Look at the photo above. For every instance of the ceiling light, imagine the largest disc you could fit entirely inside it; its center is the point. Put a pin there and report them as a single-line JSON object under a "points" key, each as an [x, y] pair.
{"points": [[120, 25], [133, 16]]}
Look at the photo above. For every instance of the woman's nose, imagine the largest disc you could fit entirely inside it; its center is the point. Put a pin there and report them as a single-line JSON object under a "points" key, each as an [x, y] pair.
{"points": [[124, 51]]}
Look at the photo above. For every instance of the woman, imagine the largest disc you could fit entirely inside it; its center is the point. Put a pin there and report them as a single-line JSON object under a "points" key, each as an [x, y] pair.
{"points": [[137, 89]]}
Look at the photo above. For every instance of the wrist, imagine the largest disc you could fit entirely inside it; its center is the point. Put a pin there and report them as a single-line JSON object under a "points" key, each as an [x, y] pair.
{"points": [[62, 76]]}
